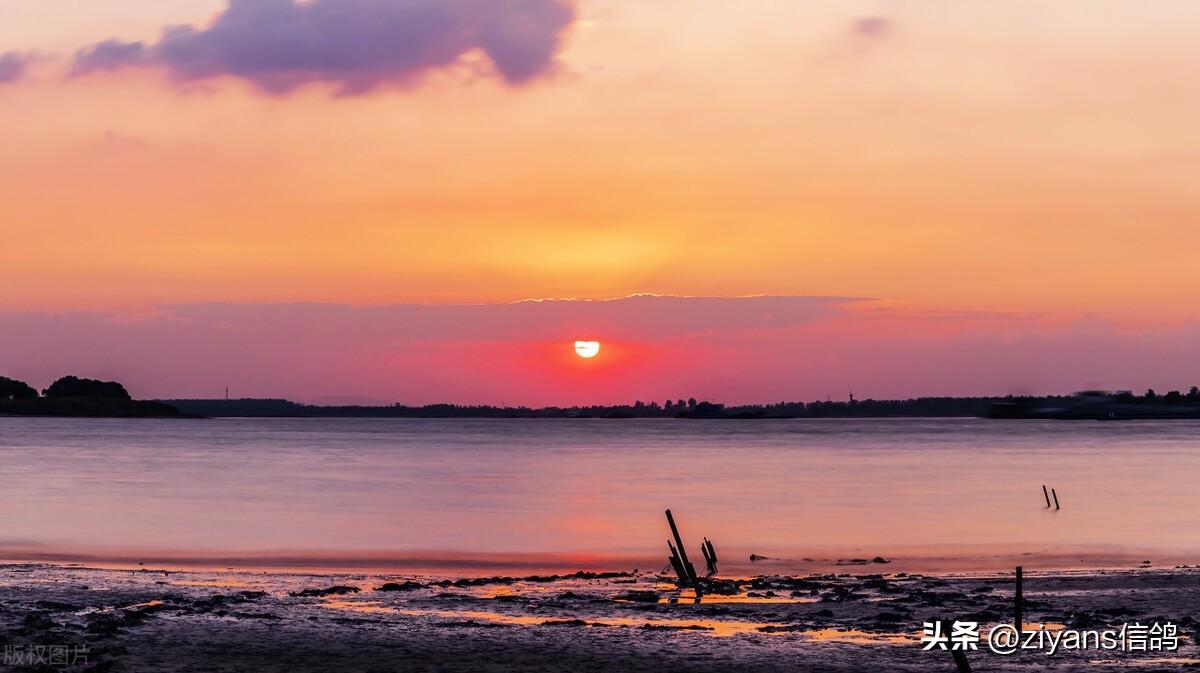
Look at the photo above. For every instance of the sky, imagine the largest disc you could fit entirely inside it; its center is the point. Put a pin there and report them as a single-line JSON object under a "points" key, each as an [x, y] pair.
{"points": [[364, 199]]}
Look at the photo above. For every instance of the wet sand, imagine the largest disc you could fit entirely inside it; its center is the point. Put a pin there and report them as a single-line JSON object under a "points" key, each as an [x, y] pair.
{"points": [[863, 619]]}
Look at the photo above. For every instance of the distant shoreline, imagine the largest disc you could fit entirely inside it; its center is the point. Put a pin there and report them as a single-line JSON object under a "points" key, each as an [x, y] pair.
{"points": [[1084, 406]]}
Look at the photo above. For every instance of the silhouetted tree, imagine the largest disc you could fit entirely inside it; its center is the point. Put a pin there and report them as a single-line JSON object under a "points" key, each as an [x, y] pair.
{"points": [[70, 386], [11, 389], [1173, 397], [691, 403], [1193, 394], [1150, 395]]}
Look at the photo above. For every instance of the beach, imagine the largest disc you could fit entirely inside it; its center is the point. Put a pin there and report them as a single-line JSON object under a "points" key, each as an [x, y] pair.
{"points": [[527, 545], [147, 619]]}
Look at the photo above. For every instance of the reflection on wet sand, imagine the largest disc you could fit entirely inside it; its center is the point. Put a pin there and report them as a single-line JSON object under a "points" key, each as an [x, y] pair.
{"points": [[360, 606], [715, 627], [710, 599], [216, 582]]}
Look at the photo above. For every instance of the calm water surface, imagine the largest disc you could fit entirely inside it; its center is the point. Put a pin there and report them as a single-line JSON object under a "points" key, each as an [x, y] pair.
{"points": [[801, 488]]}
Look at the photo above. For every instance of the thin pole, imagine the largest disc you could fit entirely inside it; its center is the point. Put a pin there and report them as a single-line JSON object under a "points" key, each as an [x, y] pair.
{"points": [[1055, 498], [1047, 494], [1019, 603]]}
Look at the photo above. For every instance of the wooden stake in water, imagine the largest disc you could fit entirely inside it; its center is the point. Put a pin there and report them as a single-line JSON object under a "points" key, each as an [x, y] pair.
{"points": [[683, 559], [1055, 493], [1047, 494], [1019, 602], [677, 564], [710, 556]]}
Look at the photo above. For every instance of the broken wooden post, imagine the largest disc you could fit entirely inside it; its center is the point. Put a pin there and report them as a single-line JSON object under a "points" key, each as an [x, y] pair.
{"points": [[960, 657], [687, 565], [1019, 602], [1047, 495], [677, 564], [710, 556], [1055, 498], [710, 563], [689, 569]]}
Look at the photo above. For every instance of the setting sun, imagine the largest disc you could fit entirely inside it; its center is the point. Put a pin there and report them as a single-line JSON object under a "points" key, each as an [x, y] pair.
{"points": [[587, 349]]}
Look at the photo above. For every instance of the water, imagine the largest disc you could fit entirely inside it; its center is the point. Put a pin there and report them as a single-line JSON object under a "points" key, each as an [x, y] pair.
{"points": [[395, 490]]}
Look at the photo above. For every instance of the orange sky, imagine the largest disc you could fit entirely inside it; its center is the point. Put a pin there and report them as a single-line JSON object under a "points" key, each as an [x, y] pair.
{"points": [[1011, 156], [1015, 157]]}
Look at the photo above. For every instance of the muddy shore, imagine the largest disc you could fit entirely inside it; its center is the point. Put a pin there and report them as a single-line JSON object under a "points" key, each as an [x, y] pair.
{"points": [[90, 619]]}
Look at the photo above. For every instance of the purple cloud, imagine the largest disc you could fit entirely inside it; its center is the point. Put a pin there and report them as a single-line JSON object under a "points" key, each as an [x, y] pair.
{"points": [[108, 55], [359, 45], [13, 65]]}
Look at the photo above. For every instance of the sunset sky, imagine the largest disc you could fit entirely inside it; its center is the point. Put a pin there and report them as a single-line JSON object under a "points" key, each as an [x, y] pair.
{"points": [[343, 198]]}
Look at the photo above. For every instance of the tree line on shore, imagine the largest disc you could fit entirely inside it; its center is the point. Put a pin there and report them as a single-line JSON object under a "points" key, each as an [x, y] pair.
{"points": [[76, 388], [65, 387], [929, 407]]}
